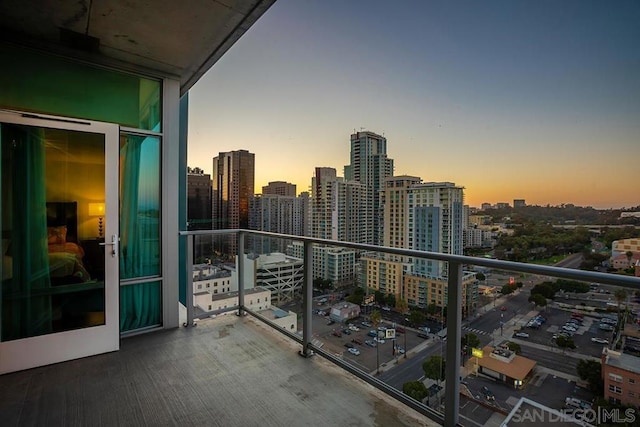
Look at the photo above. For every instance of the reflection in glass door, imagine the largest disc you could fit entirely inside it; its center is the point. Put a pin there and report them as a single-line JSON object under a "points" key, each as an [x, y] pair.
{"points": [[59, 285]]}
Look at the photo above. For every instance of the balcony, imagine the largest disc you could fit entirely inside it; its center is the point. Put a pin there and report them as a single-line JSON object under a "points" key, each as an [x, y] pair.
{"points": [[243, 370]]}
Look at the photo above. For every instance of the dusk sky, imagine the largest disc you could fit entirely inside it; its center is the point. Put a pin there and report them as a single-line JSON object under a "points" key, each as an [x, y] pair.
{"points": [[536, 100]]}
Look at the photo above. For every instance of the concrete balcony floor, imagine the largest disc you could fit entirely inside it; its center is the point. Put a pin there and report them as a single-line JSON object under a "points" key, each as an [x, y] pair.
{"points": [[226, 372]]}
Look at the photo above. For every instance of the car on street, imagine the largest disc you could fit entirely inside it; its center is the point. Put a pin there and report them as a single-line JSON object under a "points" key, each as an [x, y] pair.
{"points": [[488, 394], [599, 340], [522, 335], [354, 351]]}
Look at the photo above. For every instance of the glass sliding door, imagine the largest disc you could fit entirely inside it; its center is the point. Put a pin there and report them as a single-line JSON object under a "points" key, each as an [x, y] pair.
{"points": [[59, 223]]}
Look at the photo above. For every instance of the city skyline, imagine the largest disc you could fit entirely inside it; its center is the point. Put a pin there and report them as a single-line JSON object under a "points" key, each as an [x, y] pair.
{"points": [[511, 100]]}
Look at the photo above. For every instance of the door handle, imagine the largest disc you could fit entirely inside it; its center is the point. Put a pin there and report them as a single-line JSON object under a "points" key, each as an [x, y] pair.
{"points": [[113, 243]]}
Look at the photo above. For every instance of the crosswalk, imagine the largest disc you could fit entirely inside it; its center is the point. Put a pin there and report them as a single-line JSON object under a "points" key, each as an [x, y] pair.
{"points": [[475, 331]]}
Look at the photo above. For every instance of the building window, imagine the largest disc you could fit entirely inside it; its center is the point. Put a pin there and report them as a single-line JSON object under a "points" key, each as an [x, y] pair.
{"points": [[199, 286], [632, 381], [616, 378], [615, 389]]}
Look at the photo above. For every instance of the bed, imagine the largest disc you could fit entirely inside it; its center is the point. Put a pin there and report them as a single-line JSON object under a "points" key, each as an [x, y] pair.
{"points": [[64, 253]]}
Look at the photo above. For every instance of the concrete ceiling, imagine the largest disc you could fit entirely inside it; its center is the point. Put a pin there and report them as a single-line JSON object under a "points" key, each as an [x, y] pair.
{"points": [[181, 38]]}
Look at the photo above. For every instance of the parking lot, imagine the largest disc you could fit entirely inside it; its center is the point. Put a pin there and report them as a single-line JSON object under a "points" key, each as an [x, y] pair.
{"points": [[556, 319], [338, 338]]}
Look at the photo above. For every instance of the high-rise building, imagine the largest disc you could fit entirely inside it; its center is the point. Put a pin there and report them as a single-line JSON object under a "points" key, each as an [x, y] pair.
{"points": [[435, 224], [519, 203], [277, 214], [422, 216], [337, 206], [370, 166], [198, 199], [233, 186], [280, 188]]}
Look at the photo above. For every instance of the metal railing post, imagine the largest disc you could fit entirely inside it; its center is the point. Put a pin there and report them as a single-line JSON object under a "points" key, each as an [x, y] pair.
{"points": [[189, 299], [307, 291], [454, 323], [240, 255]]}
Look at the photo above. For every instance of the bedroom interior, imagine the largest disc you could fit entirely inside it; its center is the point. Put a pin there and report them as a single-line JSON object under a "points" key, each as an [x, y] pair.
{"points": [[53, 277]]}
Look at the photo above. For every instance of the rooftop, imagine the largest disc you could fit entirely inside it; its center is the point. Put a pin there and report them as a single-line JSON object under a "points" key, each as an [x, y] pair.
{"points": [[622, 360], [518, 367], [227, 371]]}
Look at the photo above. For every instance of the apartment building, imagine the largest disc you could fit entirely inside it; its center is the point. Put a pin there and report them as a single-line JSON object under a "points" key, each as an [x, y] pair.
{"points": [[370, 166], [335, 264], [277, 214], [621, 376]]}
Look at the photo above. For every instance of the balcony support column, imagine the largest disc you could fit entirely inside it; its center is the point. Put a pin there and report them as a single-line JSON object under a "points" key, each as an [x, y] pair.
{"points": [[307, 291], [189, 296], [454, 324], [241, 242]]}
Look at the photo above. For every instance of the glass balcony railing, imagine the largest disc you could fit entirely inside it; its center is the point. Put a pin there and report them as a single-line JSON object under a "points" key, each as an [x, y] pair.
{"points": [[468, 329]]}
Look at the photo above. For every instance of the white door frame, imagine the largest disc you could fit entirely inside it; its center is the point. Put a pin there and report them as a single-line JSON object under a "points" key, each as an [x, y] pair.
{"points": [[73, 344]]}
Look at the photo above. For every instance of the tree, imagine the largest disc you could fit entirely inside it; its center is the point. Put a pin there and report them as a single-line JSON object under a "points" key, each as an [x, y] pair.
{"points": [[515, 347], [416, 317], [416, 390], [591, 371], [375, 317], [507, 289], [402, 306], [379, 297], [621, 296], [538, 300], [390, 300], [434, 368], [565, 342], [469, 341]]}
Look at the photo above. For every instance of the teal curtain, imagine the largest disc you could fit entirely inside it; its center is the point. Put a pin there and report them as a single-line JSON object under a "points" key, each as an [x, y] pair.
{"points": [[140, 304], [26, 311]]}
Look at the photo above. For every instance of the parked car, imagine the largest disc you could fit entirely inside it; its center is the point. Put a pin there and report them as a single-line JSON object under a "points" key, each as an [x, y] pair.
{"points": [[366, 324], [599, 340], [371, 343], [337, 333], [354, 351], [398, 349], [346, 331], [605, 327], [522, 335], [348, 345], [488, 394], [372, 334], [379, 340], [357, 341]]}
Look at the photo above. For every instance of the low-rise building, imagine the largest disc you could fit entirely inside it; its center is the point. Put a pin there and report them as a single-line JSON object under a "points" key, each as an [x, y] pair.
{"points": [[505, 365], [344, 311], [254, 299], [621, 376]]}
